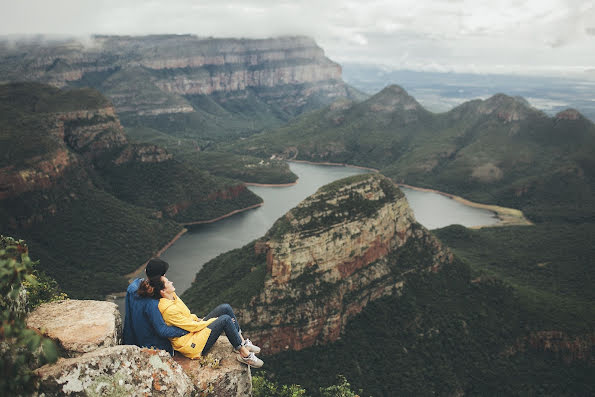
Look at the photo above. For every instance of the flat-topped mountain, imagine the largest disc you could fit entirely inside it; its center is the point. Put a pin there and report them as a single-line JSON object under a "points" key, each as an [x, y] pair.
{"points": [[183, 83], [499, 150], [320, 264], [89, 202]]}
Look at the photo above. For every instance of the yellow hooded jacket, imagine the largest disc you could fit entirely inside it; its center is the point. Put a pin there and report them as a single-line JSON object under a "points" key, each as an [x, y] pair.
{"points": [[176, 313]]}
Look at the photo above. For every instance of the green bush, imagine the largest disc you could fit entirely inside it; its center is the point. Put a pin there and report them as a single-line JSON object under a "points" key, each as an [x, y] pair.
{"points": [[21, 349], [262, 387]]}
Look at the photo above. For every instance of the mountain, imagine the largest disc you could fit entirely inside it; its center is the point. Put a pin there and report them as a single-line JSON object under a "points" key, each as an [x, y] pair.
{"points": [[499, 150], [186, 85], [348, 283], [91, 205], [350, 243], [442, 91], [185, 93]]}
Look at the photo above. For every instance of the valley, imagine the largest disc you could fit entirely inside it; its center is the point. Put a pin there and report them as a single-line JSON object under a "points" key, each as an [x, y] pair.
{"points": [[109, 150]]}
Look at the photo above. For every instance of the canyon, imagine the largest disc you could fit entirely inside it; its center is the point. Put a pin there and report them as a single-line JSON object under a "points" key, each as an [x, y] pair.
{"points": [[158, 74], [350, 243]]}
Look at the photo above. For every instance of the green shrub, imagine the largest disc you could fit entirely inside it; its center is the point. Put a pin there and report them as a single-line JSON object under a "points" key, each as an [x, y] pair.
{"points": [[21, 349]]}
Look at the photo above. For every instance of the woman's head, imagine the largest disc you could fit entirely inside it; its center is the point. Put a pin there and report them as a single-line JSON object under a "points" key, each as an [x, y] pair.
{"points": [[156, 287], [151, 287]]}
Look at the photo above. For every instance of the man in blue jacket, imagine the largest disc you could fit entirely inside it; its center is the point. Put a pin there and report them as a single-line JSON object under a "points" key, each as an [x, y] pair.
{"points": [[143, 323]]}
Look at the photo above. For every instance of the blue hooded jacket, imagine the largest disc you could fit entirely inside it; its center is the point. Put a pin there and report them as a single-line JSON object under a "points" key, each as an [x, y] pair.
{"points": [[143, 323]]}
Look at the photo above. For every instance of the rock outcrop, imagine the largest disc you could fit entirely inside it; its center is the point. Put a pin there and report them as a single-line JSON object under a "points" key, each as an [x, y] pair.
{"points": [[115, 371], [218, 373], [94, 364], [78, 326], [350, 243], [150, 75]]}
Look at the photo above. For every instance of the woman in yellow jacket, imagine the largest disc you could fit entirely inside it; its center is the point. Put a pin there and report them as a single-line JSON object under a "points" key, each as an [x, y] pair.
{"points": [[202, 333]]}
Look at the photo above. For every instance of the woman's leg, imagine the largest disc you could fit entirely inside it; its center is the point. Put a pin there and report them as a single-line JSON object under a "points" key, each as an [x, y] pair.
{"points": [[222, 310], [224, 323]]}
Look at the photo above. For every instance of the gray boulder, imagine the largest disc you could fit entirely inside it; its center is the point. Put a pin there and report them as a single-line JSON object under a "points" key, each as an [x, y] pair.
{"points": [[218, 373], [115, 371]]}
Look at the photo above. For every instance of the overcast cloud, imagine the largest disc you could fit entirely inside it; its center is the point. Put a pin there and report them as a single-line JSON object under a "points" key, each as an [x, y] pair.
{"points": [[518, 36]]}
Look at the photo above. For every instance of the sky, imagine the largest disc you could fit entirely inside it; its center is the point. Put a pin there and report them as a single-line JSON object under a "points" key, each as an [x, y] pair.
{"points": [[541, 37]]}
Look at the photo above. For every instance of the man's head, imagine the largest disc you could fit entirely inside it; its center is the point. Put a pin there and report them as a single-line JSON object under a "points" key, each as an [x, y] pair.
{"points": [[156, 267]]}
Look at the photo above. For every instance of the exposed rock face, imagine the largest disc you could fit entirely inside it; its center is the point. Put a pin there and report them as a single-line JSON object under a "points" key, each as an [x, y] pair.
{"points": [[219, 373], [42, 173], [149, 75], [330, 256], [78, 326], [89, 332], [91, 131], [115, 371]]}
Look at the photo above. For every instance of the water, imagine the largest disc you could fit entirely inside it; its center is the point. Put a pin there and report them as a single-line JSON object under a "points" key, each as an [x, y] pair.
{"points": [[204, 242], [434, 210]]}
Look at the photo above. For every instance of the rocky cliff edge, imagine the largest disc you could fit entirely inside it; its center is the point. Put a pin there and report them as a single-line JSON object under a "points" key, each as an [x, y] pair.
{"points": [[94, 363], [348, 244]]}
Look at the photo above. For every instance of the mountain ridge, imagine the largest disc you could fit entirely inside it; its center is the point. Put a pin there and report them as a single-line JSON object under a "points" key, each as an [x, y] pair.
{"points": [[497, 150]]}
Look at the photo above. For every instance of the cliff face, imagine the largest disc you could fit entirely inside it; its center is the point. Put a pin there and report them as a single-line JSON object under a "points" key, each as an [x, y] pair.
{"points": [[68, 176], [167, 68], [89, 133], [328, 257]]}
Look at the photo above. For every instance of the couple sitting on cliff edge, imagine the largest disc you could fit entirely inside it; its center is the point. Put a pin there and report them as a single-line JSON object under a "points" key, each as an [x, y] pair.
{"points": [[156, 317]]}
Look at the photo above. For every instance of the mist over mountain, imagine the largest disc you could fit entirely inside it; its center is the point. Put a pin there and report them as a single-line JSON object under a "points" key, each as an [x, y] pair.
{"points": [[499, 150], [440, 92]]}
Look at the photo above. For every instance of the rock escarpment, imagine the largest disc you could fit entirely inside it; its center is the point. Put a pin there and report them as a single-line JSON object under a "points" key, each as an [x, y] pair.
{"points": [[94, 363], [350, 243], [151, 75], [69, 176], [328, 257]]}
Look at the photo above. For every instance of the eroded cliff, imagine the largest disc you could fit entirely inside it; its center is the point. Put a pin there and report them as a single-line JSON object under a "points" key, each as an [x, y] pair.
{"points": [[349, 244], [153, 75], [69, 176]]}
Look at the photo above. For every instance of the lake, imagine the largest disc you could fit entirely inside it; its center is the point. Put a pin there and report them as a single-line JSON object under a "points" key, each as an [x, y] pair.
{"points": [[204, 242]]}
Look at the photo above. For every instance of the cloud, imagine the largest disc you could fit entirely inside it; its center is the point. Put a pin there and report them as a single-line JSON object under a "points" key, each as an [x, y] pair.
{"points": [[459, 34]]}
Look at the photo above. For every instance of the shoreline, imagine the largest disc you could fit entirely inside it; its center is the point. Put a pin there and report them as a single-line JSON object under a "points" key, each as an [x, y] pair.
{"points": [[506, 216], [130, 276], [158, 254], [223, 216], [334, 164], [271, 184]]}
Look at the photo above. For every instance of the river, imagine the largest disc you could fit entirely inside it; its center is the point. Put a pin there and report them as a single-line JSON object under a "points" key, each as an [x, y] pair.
{"points": [[204, 242]]}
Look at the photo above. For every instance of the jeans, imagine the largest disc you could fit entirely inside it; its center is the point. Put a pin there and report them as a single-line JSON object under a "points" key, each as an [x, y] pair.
{"points": [[226, 322]]}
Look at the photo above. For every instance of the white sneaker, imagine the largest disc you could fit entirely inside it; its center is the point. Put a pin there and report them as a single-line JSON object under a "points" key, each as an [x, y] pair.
{"points": [[251, 360], [251, 347]]}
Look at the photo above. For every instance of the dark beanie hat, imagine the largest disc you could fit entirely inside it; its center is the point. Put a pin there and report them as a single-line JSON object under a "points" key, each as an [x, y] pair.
{"points": [[156, 267]]}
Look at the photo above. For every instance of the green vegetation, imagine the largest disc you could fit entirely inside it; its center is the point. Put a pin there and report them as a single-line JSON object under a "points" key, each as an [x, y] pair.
{"points": [[443, 336], [21, 349], [197, 195], [233, 277], [498, 151], [548, 265], [264, 387], [85, 238], [244, 168], [93, 220], [327, 208]]}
